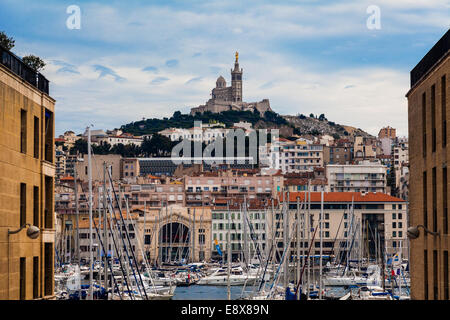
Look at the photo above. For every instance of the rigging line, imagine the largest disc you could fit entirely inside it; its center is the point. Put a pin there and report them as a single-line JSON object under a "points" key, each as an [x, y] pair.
{"points": [[115, 246], [109, 262], [117, 232], [335, 238], [304, 265], [140, 245], [128, 238]]}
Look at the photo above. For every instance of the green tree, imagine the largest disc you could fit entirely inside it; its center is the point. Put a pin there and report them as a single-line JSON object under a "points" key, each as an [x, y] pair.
{"points": [[34, 62], [5, 41], [80, 146]]}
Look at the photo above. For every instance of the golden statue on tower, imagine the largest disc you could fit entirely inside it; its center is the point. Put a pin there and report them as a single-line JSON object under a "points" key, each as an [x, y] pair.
{"points": [[237, 56]]}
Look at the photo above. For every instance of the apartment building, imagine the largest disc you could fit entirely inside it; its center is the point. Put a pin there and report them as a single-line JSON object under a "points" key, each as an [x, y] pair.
{"points": [[387, 132], [254, 230], [27, 173], [97, 160], [341, 152], [368, 176], [298, 156], [373, 214], [364, 148], [204, 188], [428, 115]]}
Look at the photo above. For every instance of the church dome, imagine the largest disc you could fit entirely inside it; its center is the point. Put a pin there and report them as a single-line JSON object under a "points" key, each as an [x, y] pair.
{"points": [[221, 83]]}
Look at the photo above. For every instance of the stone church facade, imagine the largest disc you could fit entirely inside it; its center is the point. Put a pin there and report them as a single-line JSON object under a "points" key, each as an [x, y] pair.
{"points": [[225, 98]]}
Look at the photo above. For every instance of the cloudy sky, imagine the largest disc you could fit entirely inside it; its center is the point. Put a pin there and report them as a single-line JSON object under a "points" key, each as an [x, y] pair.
{"points": [[143, 59]]}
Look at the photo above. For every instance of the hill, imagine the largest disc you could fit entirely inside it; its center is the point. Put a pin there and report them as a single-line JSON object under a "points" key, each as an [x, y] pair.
{"points": [[288, 125]]}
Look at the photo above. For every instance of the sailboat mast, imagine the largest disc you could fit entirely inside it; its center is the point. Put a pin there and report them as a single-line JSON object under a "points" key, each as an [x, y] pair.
{"points": [[78, 224], [105, 231], [228, 253], [321, 245], [91, 256]]}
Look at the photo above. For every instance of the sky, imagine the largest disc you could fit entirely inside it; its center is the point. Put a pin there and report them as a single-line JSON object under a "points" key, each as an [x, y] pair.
{"points": [[133, 59]]}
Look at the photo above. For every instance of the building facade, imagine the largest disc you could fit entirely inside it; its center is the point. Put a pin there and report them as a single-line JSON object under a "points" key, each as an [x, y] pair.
{"points": [[366, 176], [428, 115], [27, 172]]}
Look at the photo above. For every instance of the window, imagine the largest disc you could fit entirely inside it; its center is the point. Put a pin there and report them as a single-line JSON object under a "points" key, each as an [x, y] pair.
{"points": [[23, 131], [36, 138], [433, 181], [424, 125], [446, 283], [435, 275], [424, 203], [48, 202], [22, 280], [394, 216], [394, 225], [23, 204], [36, 206], [394, 234], [35, 277], [444, 197], [49, 136], [425, 272], [444, 112], [433, 118]]}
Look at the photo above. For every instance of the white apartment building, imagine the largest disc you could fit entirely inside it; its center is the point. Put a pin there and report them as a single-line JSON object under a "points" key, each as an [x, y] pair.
{"points": [[368, 176], [123, 139], [256, 231], [300, 156]]}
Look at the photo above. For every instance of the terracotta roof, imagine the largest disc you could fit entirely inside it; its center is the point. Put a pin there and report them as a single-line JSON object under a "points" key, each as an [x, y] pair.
{"points": [[344, 197]]}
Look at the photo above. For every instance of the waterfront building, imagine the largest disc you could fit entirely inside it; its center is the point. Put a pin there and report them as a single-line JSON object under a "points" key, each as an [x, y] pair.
{"points": [[368, 176], [375, 213], [428, 118], [299, 155], [256, 228], [27, 173]]}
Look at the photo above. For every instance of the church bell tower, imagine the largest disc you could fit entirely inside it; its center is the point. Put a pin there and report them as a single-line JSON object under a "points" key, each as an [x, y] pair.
{"points": [[236, 81]]}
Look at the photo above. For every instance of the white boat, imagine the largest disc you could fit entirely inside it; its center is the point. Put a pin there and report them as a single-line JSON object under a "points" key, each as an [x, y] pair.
{"points": [[373, 279], [220, 278]]}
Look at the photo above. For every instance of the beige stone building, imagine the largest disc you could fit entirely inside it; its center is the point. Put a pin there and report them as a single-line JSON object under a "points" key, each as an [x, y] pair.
{"points": [[428, 115], [374, 213], [167, 233], [113, 160], [27, 170]]}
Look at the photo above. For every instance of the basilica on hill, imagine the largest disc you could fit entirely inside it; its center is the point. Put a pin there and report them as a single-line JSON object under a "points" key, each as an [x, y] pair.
{"points": [[225, 98]]}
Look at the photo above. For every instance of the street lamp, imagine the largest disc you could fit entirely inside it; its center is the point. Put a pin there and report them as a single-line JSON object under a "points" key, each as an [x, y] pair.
{"points": [[414, 232], [32, 231]]}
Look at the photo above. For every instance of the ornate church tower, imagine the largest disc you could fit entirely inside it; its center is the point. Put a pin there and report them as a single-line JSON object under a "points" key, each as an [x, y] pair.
{"points": [[236, 81]]}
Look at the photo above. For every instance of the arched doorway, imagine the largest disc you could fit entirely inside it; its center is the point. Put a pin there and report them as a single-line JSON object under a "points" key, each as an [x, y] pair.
{"points": [[174, 242]]}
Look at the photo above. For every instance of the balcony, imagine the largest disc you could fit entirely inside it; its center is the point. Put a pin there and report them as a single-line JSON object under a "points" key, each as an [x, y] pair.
{"points": [[16, 65]]}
